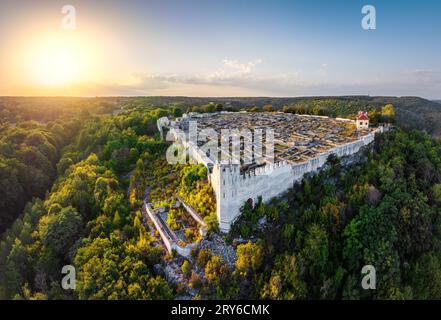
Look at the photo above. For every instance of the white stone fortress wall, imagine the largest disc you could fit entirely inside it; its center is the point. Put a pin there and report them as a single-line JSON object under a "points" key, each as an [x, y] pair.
{"points": [[233, 188]]}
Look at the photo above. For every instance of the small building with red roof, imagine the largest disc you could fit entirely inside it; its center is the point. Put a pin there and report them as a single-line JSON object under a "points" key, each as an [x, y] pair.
{"points": [[362, 121]]}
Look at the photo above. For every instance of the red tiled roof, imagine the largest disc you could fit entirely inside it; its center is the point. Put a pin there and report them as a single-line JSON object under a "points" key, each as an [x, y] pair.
{"points": [[362, 116]]}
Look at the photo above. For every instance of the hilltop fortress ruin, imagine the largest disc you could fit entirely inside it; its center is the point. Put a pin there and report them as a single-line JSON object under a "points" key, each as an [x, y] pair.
{"points": [[301, 144]]}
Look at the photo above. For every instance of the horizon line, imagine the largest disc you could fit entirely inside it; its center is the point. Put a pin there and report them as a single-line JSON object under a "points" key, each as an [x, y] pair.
{"points": [[220, 97]]}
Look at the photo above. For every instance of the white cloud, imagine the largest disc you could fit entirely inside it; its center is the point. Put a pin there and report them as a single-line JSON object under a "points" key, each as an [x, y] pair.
{"points": [[242, 68], [243, 78], [233, 72]]}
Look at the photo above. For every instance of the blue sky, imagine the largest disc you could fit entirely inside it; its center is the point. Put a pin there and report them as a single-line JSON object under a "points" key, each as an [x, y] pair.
{"points": [[244, 47]]}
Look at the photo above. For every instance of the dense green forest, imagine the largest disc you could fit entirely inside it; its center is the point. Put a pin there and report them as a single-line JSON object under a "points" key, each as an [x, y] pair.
{"points": [[33, 132], [86, 220], [29, 152], [98, 168], [385, 212]]}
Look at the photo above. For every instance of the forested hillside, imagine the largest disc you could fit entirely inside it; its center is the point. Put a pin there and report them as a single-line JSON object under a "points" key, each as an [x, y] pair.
{"points": [[33, 132], [29, 152], [309, 244], [45, 109], [385, 212], [86, 220], [412, 112]]}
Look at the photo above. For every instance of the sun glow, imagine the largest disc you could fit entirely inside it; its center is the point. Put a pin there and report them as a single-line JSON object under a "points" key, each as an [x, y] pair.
{"points": [[58, 61], [56, 66]]}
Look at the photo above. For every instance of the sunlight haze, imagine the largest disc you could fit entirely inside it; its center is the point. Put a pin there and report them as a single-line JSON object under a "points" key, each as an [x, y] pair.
{"points": [[233, 48]]}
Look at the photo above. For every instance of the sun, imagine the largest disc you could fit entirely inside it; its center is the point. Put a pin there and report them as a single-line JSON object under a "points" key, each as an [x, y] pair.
{"points": [[58, 62], [56, 66]]}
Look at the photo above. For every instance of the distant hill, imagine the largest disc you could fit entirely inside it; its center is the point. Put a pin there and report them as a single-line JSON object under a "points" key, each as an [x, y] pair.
{"points": [[415, 112], [411, 112]]}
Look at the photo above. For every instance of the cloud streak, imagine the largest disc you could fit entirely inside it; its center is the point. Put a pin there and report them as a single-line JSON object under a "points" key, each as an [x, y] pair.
{"points": [[243, 78]]}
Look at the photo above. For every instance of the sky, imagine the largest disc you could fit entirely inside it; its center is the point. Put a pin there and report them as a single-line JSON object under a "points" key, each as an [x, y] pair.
{"points": [[220, 48]]}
